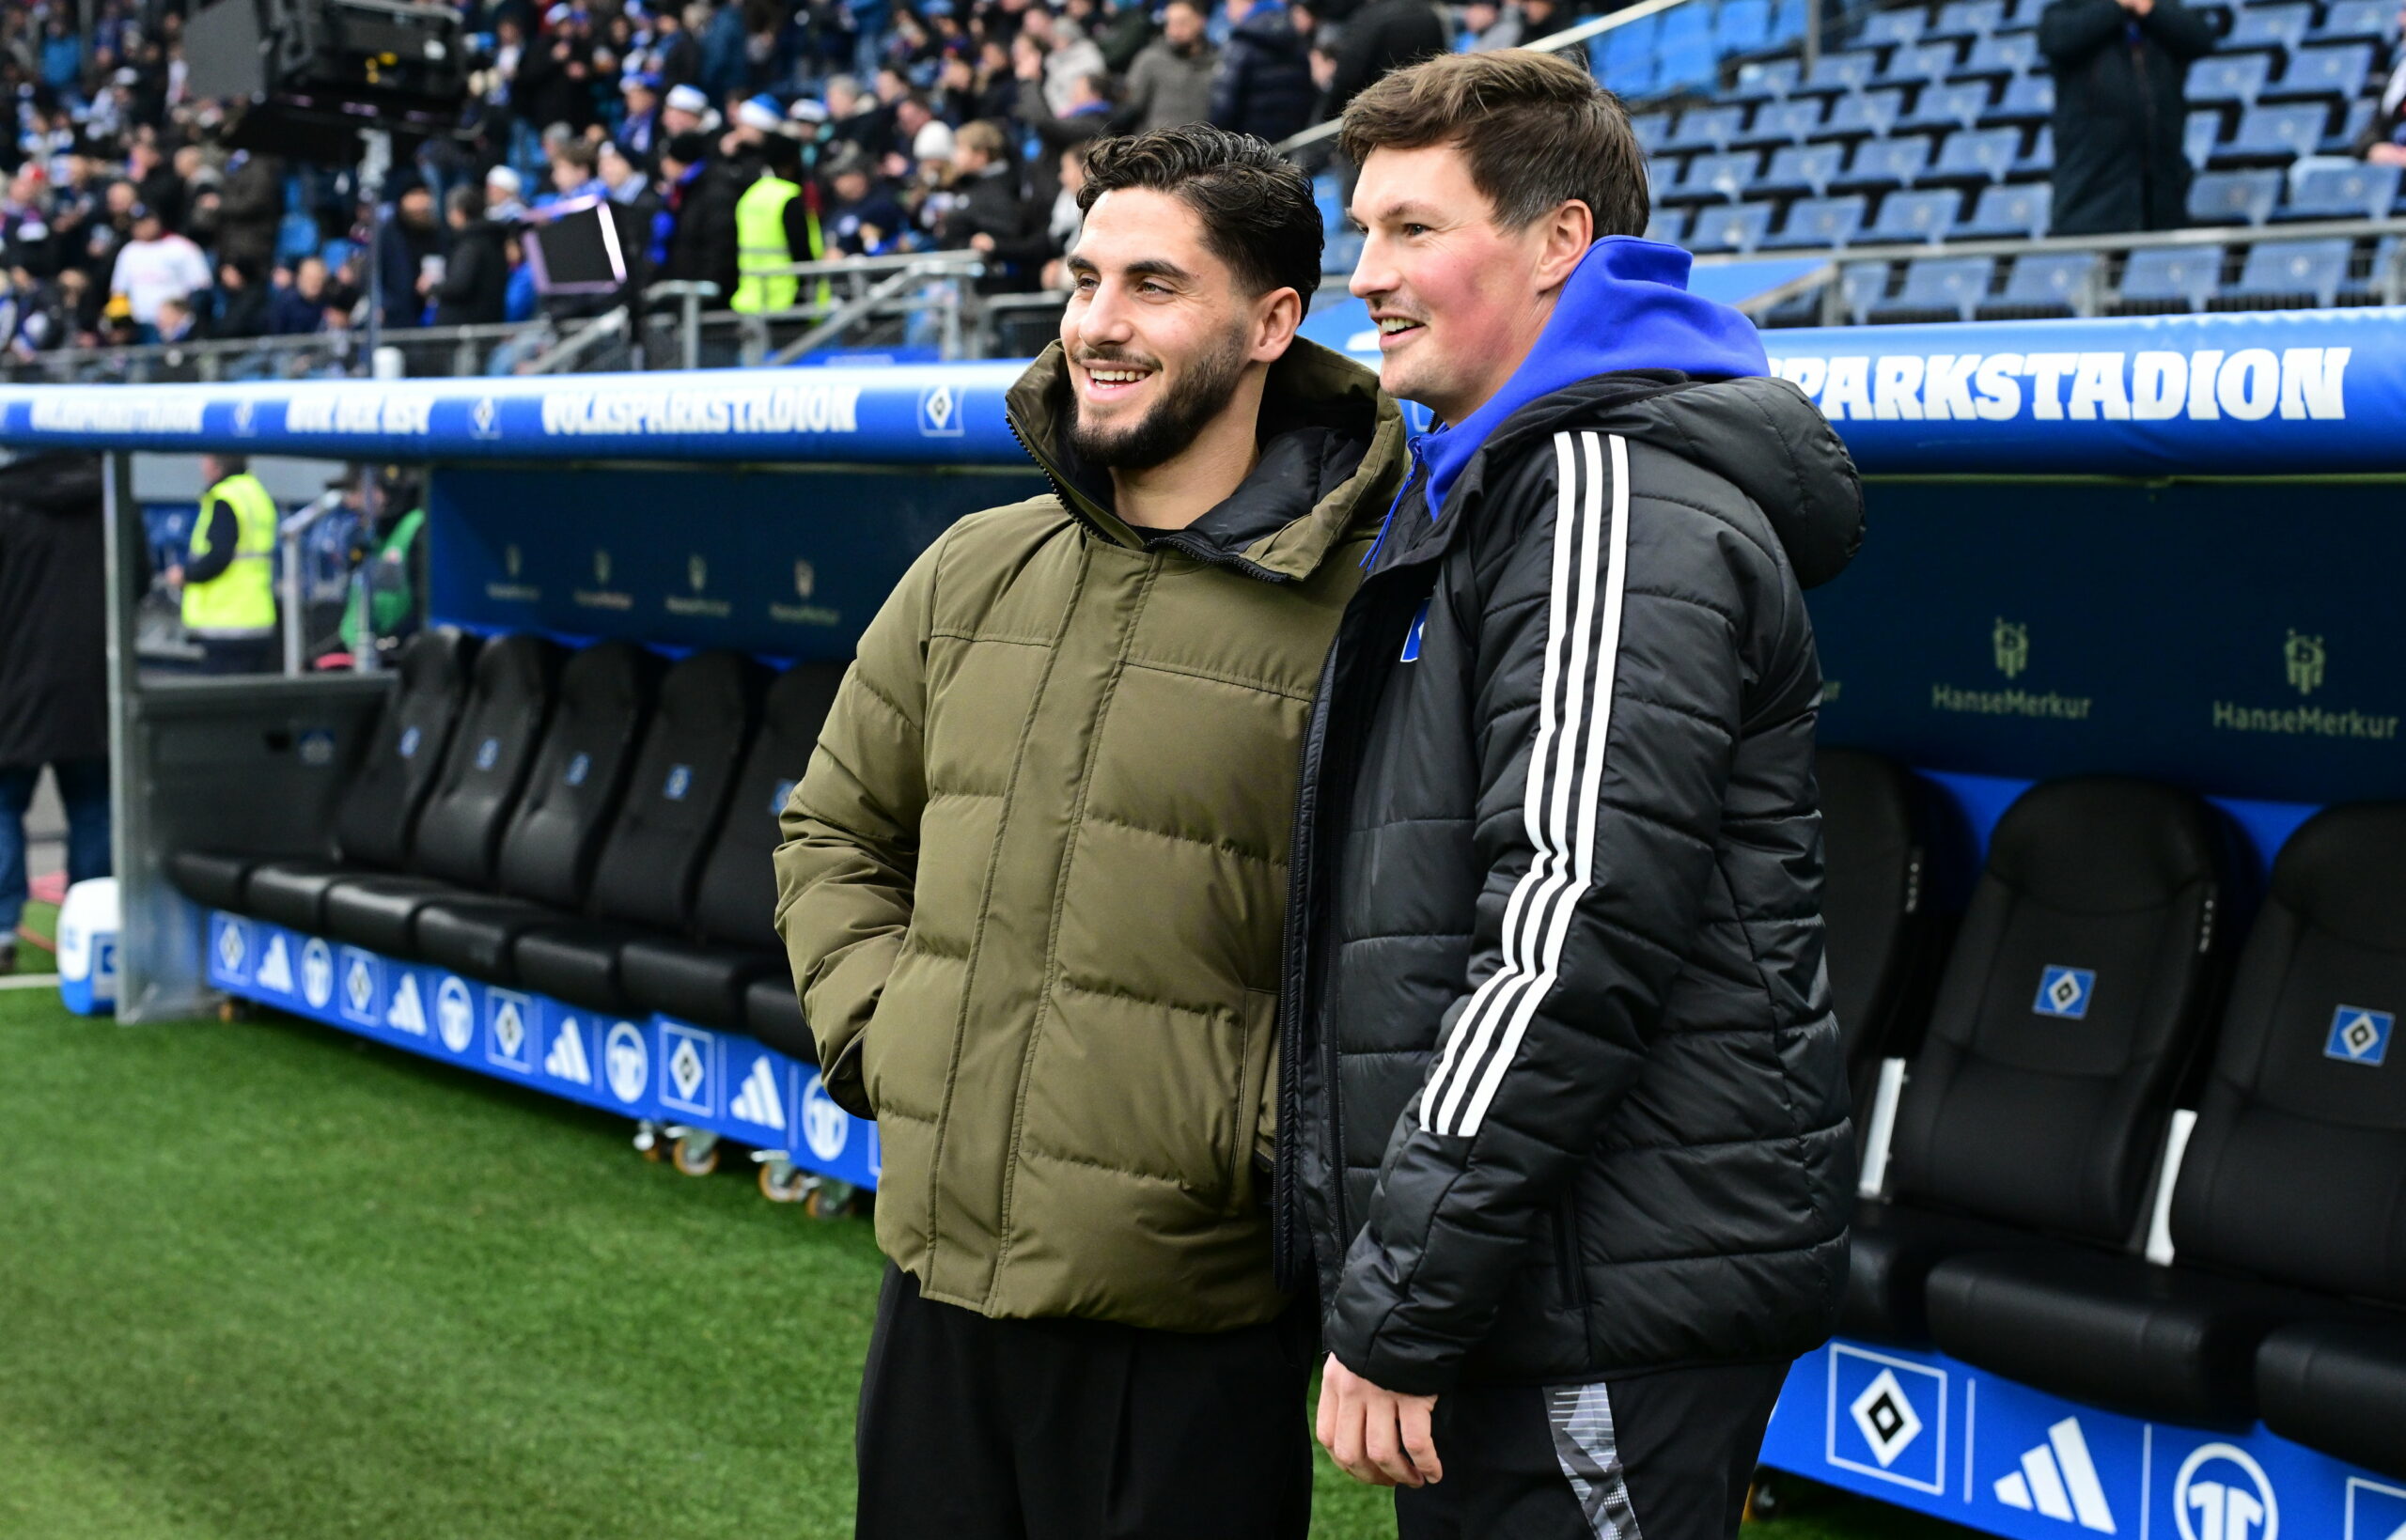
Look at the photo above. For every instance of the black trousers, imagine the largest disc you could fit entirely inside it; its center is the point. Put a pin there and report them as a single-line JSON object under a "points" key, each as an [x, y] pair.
{"points": [[978, 1429], [1665, 1456]]}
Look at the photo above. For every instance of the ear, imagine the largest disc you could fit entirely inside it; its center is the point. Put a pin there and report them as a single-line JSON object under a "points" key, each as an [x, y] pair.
{"points": [[1565, 236], [1275, 318]]}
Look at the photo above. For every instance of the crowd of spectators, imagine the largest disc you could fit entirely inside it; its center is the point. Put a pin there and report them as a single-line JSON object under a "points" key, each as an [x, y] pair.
{"points": [[131, 216]]}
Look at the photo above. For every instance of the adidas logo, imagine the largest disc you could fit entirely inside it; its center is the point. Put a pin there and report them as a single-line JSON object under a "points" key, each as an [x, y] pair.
{"points": [[756, 1099], [275, 969], [2058, 1479], [567, 1061], [407, 1013]]}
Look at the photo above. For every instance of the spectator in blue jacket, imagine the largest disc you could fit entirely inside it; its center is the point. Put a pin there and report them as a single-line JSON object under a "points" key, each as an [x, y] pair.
{"points": [[1264, 84]]}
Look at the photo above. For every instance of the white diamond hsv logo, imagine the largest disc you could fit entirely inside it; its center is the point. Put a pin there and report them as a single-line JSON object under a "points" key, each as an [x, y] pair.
{"points": [[275, 969], [508, 1012], [757, 1101], [358, 986], [454, 1017], [1887, 1419], [625, 1061], [407, 1013], [2359, 1036], [825, 1126], [2057, 1478], [231, 949], [685, 1068], [567, 1061]]}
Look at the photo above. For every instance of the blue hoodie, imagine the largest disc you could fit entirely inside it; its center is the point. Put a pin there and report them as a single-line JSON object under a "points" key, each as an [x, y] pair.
{"points": [[1625, 307]]}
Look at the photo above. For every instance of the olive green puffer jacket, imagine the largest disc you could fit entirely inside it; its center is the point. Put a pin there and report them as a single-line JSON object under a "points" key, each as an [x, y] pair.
{"points": [[1034, 881]]}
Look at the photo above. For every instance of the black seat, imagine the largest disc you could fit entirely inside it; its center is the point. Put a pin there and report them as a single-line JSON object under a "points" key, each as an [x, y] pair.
{"points": [[1890, 858], [509, 703], [548, 853], [2285, 1208], [707, 981], [388, 787], [2073, 1003], [772, 1013], [643, 882]]}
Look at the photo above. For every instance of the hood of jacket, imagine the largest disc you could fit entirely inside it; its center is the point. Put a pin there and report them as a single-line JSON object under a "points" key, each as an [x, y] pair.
{"points": [[1332, 454], [1270, 28], [1629, 351], [63, 483]]}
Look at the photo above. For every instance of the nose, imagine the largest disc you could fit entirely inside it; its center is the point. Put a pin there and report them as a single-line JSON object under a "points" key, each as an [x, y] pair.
{"points": [[1104, 320], [1373, 271]]}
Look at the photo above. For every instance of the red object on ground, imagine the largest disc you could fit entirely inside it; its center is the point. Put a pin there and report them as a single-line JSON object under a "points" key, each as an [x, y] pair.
{"points": [[51, 889]]}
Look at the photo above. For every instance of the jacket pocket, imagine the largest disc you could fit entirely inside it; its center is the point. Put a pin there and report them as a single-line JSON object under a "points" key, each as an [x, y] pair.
{"points": [[1257, 1045], [1570, 1276]]}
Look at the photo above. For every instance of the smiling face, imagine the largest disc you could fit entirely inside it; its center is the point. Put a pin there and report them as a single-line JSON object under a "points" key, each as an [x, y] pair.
{"points": [[1159, 332], [1459, 301]]}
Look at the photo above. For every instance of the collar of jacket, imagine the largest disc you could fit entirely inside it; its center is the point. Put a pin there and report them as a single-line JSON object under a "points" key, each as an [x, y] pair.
{"points": [[1758, 432], [1310, 387]]}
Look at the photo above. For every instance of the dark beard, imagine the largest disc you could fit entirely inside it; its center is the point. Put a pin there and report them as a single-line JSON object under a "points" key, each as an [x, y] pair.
{"points": [[1163, 433]]}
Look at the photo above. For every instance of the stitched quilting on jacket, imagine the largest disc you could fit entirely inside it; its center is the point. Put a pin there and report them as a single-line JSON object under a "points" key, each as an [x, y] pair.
{"points": [[1033, 882], [1567, 1094]]}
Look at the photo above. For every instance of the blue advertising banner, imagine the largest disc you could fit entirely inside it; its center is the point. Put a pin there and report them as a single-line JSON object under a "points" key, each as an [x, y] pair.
{"points": [[657, 1067], [2238, 638], [2275, 392], [780, 565], [1924, 1431]]}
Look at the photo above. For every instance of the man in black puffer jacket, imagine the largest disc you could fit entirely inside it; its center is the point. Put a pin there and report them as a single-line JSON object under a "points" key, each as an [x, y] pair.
{"points": [[1567, 1140]]}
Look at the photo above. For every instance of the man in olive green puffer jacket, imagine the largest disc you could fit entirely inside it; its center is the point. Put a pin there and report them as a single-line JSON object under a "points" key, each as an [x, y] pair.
{"points": [[1034, 884]]}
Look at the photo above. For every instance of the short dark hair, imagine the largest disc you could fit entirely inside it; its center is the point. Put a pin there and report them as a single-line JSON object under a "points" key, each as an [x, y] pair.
{"points": [[1537, 130], [1256, 206]]}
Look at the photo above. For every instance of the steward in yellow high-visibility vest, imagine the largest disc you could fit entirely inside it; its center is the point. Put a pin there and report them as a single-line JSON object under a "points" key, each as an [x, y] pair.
{"points": [[776, 227], [228, 575]]}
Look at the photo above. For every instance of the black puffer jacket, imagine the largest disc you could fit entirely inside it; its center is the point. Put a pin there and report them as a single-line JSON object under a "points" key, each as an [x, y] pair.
{"points": [[1558, 816]]}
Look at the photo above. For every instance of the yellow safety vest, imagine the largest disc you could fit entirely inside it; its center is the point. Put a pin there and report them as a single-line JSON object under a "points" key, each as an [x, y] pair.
{"points": [[760, 246], [240, 600]]}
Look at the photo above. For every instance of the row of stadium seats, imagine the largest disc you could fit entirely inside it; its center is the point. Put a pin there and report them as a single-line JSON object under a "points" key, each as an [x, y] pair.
{"points": [[2096, 986], [2274, 275], [590, 825]]}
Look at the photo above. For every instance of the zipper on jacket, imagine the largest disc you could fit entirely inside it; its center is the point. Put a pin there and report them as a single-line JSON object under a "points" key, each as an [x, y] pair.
{"points": [[1291, 1258], [1177, 540]]}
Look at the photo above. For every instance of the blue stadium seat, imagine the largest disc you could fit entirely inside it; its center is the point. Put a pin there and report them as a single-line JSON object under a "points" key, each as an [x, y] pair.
{"points": [[1654, 130], [1341, 252], [2022, 16], [1666, 225], [1947, 106], [2000, 57], [2358, 21], [2161, 279], [2234, 197], [2204, 132], [1861, 285], [1938, 288], [1730, 226], [2275, 136], [1687, 64], [2289, 274], [2352, 123], [1912, 64], [2042, 284], [1904, 26], [1687, 25], [2332, 72], [2340, 190], [1705, 128], [2015, 211], [2028, 99], [296, 237], [1863, 114], [2269, 29], [1968, 19], [1765, 80], [2229, 78], [2385, 271], [1742, 27], [1908, 217], [1802, 168], [1713, 179], [1625, 63], [1817, 222], [2039, 159], [1834, 73], [1781, 122], [1879, 164], [1976, 157], [1786, 20]]}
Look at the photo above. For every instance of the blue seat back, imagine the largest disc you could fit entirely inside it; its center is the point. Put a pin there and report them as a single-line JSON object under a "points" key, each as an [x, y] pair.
{"points": [[2229, 77], [2016, 210], [2319, 267], [2353, 190], [1926, 216], [1946, 283], [2048, 277], [1730, 226], [2173, 272], [2234, 197]]}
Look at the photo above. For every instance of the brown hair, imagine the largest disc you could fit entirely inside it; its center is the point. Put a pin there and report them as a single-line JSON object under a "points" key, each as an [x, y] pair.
{"points": [[1537, 131], [1256, 207]]}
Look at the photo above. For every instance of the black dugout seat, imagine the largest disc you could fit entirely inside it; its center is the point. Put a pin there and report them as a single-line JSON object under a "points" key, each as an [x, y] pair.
{"points": [[772, 1013], [481, 768], [2286, 1208], [548, 853], [643, 882], [509, 706], [2073, 1003], [380, 803], [1887, 852], [708, 981]]}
